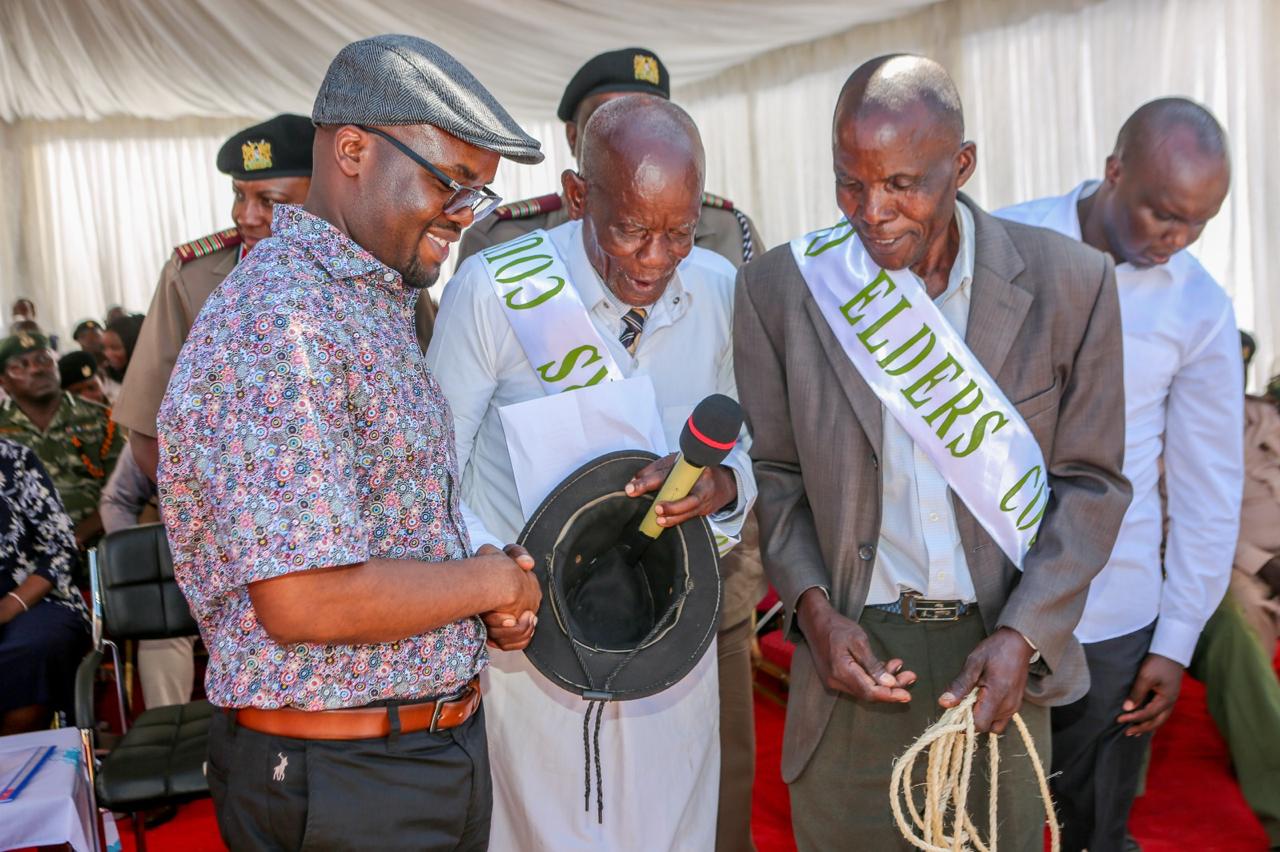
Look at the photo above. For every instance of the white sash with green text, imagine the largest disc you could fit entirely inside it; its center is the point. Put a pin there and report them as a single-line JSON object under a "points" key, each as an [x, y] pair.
{"points": [[931, 384], [547, 314], [556, 333]]}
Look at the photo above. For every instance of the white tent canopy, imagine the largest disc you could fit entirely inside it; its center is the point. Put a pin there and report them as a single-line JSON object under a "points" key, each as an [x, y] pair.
{"points": [[169, 59], [111, 111]]}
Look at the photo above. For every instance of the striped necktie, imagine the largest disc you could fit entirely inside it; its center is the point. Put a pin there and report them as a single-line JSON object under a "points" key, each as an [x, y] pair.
{"points": [[632, 325]]}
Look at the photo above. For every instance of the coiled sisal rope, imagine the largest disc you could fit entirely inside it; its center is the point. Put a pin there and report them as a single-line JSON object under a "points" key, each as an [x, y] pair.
{"points": [[943, 823]]}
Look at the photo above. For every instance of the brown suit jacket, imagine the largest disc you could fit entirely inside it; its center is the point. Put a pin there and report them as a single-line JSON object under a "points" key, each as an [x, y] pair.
{"points": [[1044, 319]]}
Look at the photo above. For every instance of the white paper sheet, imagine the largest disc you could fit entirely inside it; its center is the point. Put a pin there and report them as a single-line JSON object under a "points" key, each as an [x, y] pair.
{"points": [[552, 436]]}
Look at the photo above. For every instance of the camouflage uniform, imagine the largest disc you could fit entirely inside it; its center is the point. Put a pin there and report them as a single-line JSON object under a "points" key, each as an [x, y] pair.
{"points": [[78, 472]]}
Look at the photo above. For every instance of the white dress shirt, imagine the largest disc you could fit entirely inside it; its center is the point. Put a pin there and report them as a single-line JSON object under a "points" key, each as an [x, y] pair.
{"points": [[919, 547], [686, 348], [534, 727], [1184, 398]]}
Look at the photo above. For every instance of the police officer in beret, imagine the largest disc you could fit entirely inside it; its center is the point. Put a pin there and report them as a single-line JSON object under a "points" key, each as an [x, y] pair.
{"points": [[269, 164], [75, 439], [722, 229], [78, 372], [88, 336]]}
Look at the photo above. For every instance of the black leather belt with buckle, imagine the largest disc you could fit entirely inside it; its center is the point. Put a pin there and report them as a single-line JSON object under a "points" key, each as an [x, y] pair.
{"points": [[913, 607]]}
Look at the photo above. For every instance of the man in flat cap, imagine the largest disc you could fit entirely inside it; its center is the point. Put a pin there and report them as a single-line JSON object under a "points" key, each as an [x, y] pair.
{"points": [[75, 439], [309, 484], [936, 405], [269, 164], [728, 232], [578, 324]]}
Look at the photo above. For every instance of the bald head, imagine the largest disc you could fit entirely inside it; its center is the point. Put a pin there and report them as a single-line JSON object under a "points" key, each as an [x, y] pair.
{"points": [[638, 192], [1167, 177], [638, 135], [1156, 122], [898, 84], [900, 158]]}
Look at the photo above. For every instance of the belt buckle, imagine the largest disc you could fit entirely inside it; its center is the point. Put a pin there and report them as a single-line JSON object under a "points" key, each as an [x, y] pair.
{"points": [[460, 695], [917, 609]]}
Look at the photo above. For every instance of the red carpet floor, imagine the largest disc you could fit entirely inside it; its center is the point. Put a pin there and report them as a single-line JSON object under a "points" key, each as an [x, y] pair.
{"points": [[1192, 801]]}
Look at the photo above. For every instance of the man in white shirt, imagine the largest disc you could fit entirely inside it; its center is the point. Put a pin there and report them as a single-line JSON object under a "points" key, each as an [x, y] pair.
{"points": [[1166, 178], [655, 313]]}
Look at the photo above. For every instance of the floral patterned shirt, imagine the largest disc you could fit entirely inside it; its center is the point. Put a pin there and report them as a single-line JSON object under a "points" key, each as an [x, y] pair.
{"points": [[302, 430], [35, 532]]}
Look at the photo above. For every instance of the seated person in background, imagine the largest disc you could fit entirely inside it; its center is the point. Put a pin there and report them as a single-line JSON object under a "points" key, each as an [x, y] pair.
{"points": [[44, 625], [118, 342], [1255, 580], [79, 374], [23, 309], [116, 312], [74, 439], [1233, 657], [88, 336]]}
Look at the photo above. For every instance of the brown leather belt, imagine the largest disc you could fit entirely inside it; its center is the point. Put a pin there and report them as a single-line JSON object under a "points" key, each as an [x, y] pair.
{"points": [[363, 723]]}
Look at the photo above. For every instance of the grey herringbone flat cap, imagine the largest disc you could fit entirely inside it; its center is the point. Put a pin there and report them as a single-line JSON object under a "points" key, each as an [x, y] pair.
{"points": [[400, 79]]}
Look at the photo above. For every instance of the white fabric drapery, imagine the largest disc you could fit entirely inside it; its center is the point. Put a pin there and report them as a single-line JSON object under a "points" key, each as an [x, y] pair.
{"points": [[90, 209]]}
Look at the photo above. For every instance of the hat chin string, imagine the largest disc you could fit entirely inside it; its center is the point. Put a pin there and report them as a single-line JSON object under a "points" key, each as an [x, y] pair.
{"points": [[597, 698]]}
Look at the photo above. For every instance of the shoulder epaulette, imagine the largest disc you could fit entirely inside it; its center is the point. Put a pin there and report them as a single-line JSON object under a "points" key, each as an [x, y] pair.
{"points": [[188, 252], [529, 207], [712, 200]]}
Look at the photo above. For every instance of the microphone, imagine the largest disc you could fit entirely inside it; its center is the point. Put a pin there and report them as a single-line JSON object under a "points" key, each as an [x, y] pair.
{"points": [[709, 434], [611, 599]]}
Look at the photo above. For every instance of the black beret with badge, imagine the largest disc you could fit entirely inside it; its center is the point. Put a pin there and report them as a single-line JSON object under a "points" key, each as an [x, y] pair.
{"points": [[76, 367], [20, 344], [632, 69], [280, 147], [87, 325]]}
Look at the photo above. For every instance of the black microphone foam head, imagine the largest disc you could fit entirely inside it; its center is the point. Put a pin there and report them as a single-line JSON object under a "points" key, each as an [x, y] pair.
{"points": [[711, 431]]}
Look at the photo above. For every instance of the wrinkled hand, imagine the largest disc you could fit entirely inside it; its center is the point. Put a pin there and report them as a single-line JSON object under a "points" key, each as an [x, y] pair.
{"points": [[1154, 692], [715, 489], [998, 666], [513, 631], [843, 656]]}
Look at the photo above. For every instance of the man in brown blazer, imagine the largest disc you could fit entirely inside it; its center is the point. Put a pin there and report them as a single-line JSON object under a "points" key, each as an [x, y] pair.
{"points": [[852, 512]]}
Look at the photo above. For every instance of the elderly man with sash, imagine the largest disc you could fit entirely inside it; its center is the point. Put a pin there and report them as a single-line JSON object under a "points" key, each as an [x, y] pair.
{"points": [[937, 412], [601, 334]]}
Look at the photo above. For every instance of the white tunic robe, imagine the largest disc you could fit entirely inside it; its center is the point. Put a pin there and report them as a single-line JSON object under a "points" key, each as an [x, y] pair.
{"points": [[659, 755]]}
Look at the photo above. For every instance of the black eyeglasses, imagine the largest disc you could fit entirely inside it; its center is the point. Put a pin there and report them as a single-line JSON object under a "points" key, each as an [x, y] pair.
{"points": [[481, 201]]}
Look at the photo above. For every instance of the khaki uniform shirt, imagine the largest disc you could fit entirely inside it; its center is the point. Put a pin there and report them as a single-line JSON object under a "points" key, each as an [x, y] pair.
{"points": [[184, 286], [1259, 519], [79, 449]]}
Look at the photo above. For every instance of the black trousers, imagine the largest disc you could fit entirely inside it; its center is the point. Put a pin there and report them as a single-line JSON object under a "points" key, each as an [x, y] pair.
{"points": [[1097, 769], [417, 791]]}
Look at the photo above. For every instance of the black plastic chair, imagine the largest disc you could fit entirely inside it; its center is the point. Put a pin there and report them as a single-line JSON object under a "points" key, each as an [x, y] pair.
{"points": [[160, 760]]}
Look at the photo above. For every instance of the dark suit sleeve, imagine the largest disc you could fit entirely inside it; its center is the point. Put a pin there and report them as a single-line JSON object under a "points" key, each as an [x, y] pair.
{"points": [[788, 537], [1089, 492]]}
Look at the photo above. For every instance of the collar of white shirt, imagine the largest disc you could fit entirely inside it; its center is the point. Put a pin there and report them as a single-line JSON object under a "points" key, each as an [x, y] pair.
{"points": [[1063, 216], [961, 277], [597, 297]]}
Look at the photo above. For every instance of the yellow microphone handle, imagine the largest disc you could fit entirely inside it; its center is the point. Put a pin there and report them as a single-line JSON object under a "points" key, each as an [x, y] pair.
{"points": [[678, 485]]}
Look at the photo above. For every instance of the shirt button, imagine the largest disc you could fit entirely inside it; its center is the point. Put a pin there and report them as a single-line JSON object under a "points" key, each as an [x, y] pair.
{"points": [[942, 575], [933, 516], [389, 277], [866, 552]]}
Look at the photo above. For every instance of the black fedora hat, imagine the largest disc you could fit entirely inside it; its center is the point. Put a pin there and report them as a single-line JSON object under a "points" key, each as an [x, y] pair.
{"points": [[607, 631]]}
